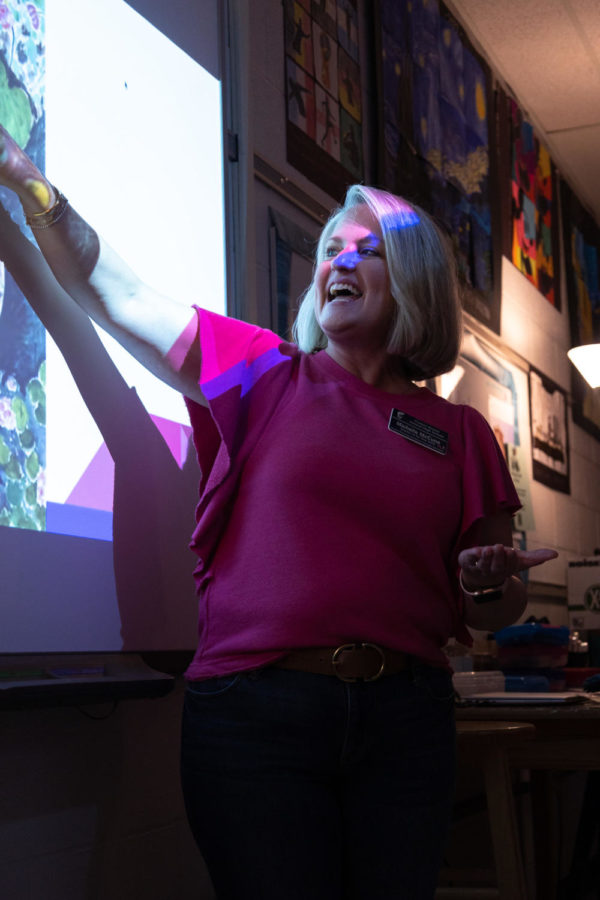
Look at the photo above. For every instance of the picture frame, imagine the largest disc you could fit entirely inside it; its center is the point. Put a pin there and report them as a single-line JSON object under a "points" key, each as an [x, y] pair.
{"points": [[436, 138], [497, 387], [324, 128], [291, 253], [549, 432], [582, 270], [530, 200]]}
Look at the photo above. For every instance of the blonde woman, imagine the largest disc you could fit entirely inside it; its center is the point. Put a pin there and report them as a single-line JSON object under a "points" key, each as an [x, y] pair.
{"points": [[349, 524]]}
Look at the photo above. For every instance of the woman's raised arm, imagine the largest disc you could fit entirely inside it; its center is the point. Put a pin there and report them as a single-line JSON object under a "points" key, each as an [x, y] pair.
{"points": [[145, 322]]}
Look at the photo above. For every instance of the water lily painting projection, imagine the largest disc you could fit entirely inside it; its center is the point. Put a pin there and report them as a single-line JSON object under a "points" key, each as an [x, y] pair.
{"points": [[98, 472], [435, 135], [22, 337]]}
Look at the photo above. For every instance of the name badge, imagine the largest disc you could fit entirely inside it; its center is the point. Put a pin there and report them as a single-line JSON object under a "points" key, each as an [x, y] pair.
{"points": [[418, 432]]}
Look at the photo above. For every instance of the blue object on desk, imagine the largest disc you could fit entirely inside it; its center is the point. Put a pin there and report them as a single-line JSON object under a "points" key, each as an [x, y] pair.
{"points": [[531, 633], [526, 683]]}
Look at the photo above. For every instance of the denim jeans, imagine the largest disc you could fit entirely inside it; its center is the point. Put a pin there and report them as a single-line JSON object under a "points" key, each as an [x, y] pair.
{"points": [[304, 787]]}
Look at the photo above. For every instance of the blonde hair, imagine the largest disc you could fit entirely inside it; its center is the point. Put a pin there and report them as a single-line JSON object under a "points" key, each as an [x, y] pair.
{"points": [[426, 330]]}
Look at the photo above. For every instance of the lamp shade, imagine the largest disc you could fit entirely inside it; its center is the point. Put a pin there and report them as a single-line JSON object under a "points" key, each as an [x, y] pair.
{"points": [[587, 359]]}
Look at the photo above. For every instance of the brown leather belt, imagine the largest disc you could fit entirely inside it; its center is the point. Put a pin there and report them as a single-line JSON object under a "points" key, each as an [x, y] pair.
{"points": [[349, 662]]}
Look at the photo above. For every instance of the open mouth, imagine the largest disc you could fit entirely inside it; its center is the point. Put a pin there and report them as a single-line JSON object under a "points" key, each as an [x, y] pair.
{"points": [[341, 290]]}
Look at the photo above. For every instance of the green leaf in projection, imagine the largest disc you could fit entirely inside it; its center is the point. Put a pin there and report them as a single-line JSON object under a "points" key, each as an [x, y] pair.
{"points": [[15, 110], [20, 410], [32, 466], [13, 469], [4, 452], [27, 439], [31, 495], [36, 392]]}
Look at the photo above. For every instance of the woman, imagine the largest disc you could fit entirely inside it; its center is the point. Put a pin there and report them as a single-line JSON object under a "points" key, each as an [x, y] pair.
{"points": [[349, 524]]}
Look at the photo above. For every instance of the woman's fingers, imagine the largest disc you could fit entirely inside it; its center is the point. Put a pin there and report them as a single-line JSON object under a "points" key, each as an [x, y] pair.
{"points": [[493, 564], [529, 558]]}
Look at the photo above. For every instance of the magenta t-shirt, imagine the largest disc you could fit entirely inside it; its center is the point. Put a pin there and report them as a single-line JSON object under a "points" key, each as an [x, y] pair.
{"points": [[317, 524]]}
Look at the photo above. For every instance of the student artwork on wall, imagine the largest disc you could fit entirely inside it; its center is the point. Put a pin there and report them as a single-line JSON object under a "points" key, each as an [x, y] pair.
{"points": [[323, 92], [291, 251], [549, 432], [531, 232], [582, 264], [435, 136], [484, 379]]}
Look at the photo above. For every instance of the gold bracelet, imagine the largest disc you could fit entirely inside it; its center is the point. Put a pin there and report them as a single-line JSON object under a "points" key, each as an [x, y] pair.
{"points": [[49, 216]]}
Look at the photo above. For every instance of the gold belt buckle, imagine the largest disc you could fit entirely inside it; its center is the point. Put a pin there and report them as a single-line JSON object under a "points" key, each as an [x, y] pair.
{"points": [[336, 661]]}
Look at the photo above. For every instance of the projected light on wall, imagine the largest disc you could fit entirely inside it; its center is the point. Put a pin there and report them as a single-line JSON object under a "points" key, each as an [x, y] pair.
{"points": [[130, 128]]}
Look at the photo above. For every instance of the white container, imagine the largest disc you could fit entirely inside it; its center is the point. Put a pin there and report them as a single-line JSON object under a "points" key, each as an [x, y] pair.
{"points": [[466, 684]]}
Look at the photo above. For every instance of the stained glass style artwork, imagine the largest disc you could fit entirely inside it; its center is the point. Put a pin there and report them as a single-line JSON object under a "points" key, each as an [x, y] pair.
{"points": [[533, 207], [434, 135], [323, 92]]}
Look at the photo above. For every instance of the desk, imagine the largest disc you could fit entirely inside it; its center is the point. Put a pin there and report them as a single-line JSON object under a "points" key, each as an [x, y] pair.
{"points": [[567, 738]]}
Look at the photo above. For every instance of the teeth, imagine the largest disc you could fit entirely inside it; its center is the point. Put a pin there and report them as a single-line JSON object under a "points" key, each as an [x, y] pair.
{"points": [[339, 287]]}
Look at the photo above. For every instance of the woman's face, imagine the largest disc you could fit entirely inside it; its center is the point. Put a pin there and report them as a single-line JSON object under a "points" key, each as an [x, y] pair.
{"points": [[353, 300]]}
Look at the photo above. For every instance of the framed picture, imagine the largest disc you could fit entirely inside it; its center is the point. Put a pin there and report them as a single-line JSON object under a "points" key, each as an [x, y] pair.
{"points": [[436, 131], [582, 265], [549, 432], [498, 388], [291, 251], [323, 92], [529, 186]]}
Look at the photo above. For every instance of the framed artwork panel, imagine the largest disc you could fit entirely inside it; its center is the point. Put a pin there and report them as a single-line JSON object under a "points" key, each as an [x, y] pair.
{"points": [[436, 131], [582, 265], [291, 265], [549, 432], [323, 93]]}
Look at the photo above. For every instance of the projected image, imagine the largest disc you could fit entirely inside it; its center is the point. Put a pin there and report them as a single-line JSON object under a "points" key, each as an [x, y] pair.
{"points": [[98, 475], [22, 337], [118, 105]]}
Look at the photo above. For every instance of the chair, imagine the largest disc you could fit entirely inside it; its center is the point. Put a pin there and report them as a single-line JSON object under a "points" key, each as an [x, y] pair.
{"points": [[485, 744]]}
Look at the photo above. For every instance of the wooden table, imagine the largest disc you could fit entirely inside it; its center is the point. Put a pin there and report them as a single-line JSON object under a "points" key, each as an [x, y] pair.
{"points": [[567, 738]]}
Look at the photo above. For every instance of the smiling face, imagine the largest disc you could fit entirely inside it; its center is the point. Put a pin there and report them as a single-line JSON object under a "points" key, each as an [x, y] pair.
{"points": [[353, 303]]}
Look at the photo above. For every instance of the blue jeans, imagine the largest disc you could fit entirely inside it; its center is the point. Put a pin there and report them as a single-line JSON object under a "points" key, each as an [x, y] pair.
{"points": [[304, 787]]}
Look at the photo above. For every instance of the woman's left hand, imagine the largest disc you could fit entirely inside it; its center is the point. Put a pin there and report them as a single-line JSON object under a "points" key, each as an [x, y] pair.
{"points": [[493, 564]]}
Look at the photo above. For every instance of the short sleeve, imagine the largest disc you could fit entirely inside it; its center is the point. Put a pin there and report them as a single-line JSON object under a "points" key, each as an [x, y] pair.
{"points": [[487, 486], [240, 378]]}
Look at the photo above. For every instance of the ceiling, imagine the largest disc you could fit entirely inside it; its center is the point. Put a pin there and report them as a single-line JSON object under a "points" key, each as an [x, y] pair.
{"points": [[547, 52]]}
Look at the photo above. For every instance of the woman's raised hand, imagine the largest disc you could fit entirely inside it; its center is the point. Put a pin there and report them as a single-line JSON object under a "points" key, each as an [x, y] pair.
{"points": [[20, 175]]}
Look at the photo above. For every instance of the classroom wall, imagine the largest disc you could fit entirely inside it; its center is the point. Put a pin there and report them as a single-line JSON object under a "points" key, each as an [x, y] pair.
{"points": [[90, 805], [90, 801], [531, 328]]}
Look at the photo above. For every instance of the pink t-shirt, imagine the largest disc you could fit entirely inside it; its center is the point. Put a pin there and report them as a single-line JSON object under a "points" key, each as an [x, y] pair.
{"points": [[318, 524]]}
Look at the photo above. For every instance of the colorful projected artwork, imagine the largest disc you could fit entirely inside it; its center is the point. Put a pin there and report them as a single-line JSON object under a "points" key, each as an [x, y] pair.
{"points": [[533, 210], [22, 337], [582, 262], [434, 140], [57, 453], [323, 92]]}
